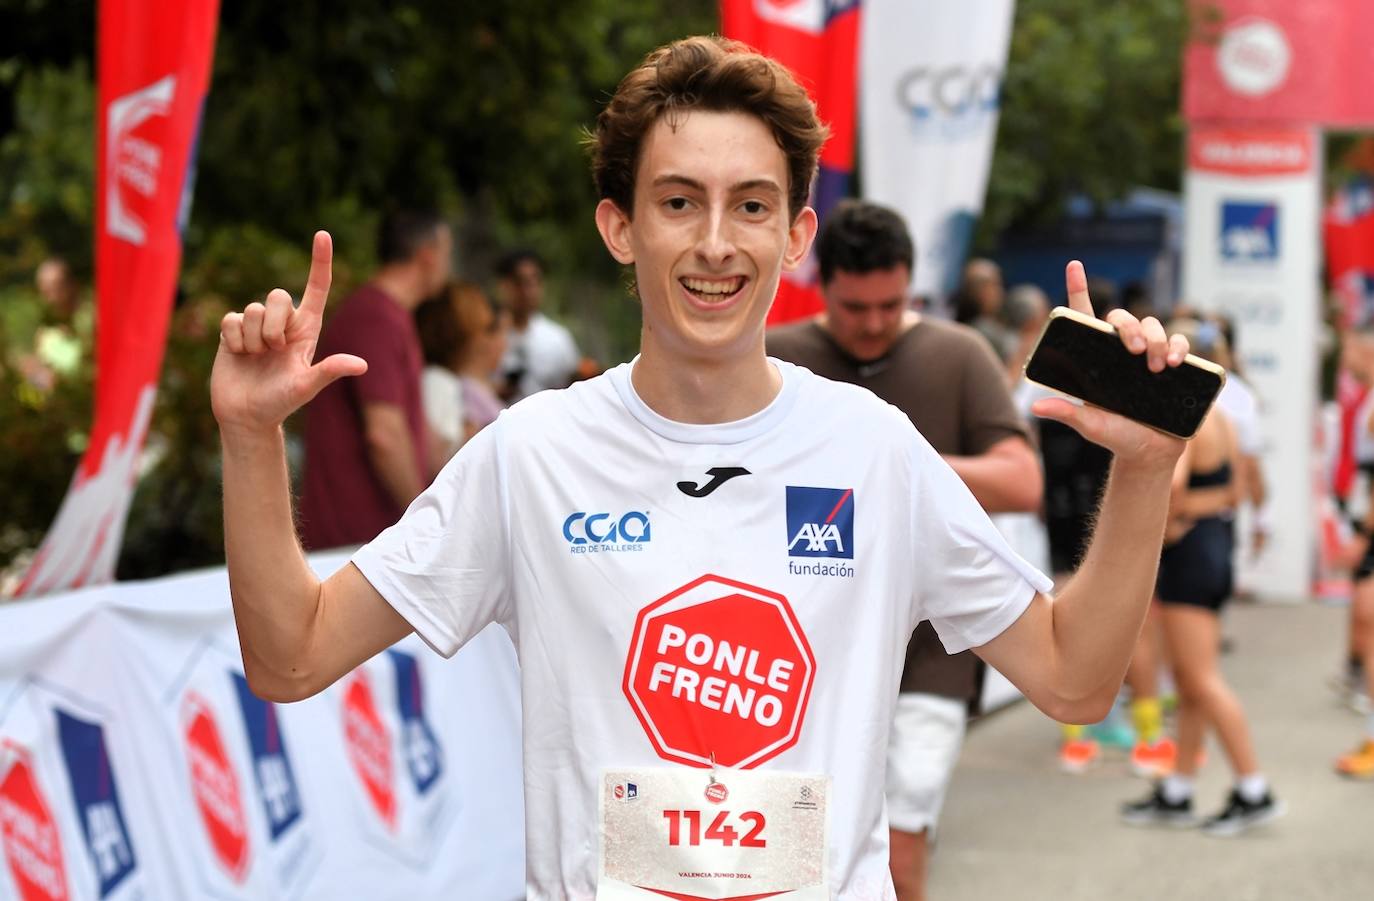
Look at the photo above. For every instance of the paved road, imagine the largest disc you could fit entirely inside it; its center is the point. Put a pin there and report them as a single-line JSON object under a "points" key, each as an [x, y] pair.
{"points": [[1016, 828]]}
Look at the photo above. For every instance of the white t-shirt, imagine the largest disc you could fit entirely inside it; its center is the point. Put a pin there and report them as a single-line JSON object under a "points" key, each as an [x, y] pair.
{"points": [[441, 393], [544, 353], [1237, 401], [569, 521]]}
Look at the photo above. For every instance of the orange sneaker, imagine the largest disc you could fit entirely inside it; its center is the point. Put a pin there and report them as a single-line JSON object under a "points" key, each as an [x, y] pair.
{"points": [[1077, 755], [1358, 764], [1154, 760]]}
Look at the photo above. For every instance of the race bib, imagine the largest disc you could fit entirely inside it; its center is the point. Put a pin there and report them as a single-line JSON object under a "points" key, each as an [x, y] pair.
{"points": [[700, 833]]}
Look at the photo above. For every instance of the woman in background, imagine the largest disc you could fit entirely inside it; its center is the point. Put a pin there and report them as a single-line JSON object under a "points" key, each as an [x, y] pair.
{"points": [[463, 338], [1195, 581]]}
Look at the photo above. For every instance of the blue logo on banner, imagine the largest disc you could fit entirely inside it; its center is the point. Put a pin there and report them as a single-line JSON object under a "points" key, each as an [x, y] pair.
{"points": [[421, 748], [276, 782], [820, 522], [1249, 231], [97, 800]]}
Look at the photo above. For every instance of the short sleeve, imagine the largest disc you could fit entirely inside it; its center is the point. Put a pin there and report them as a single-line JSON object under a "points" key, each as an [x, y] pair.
{"points": [[970, 584], [445, 566], [987, 411]]}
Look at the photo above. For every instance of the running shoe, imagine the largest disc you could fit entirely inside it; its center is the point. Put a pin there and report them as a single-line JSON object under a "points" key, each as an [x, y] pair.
{"points": [[1114, 734], [1241, 815], [1077, 755], [1154, 759], [1358, 764], [1157, 810]]}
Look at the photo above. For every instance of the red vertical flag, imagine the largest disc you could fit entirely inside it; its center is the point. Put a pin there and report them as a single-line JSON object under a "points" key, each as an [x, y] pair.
{"points": [[818, 40], [154, 70]]}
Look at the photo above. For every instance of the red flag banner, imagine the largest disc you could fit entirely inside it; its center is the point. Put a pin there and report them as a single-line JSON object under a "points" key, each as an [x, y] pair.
{"points": [[818, 41], [154, 70]]}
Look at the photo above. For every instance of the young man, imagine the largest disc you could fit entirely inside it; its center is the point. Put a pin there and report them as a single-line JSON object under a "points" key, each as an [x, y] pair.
{"points": [[946, 380], [367, 447], [709, 563]]}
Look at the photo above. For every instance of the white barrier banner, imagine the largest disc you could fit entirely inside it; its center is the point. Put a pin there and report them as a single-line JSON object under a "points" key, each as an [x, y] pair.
{"points": [[929, 84], [1252, 225], [136, 764]]}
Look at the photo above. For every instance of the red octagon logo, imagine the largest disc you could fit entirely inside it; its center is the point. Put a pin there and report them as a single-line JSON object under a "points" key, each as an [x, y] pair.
{"points": [[719, 669]]}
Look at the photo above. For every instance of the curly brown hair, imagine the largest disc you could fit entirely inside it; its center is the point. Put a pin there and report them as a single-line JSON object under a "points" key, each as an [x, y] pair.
{"points": [[709, 73]]}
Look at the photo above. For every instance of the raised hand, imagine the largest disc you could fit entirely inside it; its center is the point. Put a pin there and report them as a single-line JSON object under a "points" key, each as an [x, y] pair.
{"points": [[263, 372], [1131, 442]]}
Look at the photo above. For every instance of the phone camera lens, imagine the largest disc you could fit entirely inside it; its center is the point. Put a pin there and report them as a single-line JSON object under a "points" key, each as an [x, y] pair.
{"points": [[1190, 402]]}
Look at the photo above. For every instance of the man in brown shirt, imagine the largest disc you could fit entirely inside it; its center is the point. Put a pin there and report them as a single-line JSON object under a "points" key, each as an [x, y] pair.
{"points": [[946, 378]]}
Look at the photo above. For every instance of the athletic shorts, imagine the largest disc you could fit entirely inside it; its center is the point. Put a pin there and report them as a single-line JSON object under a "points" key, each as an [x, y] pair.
{"points": [[1365, 568], [927, 733], [1197, 570]]}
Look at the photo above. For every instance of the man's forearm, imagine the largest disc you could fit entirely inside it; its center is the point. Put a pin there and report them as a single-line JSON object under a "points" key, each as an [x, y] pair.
{"points": [[1001, 483], [393, 459], [1098, 616], [274, 591]]}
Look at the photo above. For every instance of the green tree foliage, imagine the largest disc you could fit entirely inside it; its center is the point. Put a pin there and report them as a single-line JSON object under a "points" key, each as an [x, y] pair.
{"points": [[321, 114], [1090, 104]]}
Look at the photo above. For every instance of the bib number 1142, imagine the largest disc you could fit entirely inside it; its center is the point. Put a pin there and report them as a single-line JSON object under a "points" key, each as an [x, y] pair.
{"points": [[684, 828]]}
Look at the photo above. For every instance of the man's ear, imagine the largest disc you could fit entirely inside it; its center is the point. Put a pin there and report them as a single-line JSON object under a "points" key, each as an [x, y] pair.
{"points": [[799, 237], [614, 226]]}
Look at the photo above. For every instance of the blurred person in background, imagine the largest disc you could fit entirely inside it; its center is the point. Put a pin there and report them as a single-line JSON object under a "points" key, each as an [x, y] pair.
{"points": [[464, 337], [978, 303], [1025, 312], [952, 388], [367, 447], [1357, 682], [441, 386], [61, 340], [541, 353], [1194, 583], [1242, 406], [1352, 683]]}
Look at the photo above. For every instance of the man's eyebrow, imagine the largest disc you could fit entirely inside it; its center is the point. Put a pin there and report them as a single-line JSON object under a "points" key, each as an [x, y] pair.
{"points": [[671, 179], [752, 184]]}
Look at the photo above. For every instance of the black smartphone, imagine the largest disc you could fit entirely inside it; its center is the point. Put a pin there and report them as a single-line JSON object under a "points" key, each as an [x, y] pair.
{"points": [[1084, 357]]}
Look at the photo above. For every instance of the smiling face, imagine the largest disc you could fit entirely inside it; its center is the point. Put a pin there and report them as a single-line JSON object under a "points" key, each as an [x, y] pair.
{"points": [[710, 234]]}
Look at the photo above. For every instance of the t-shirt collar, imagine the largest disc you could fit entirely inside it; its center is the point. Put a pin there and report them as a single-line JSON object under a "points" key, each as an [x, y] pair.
{"points": [[736, 432]]}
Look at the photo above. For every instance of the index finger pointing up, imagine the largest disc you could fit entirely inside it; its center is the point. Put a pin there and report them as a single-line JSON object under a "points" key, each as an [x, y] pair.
{"points": [[1076, 281], [321, 265]]}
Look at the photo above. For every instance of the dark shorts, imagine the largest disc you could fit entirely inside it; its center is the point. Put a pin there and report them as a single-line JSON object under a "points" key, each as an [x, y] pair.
{"points": [[1197, 570], [1365, 569]]}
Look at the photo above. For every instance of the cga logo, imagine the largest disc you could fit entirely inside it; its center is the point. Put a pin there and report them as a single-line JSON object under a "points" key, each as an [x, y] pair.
{"points": [[97, 800], [950, 101], [595, 532], [820, 522], [1249, 232], [32, 845]]}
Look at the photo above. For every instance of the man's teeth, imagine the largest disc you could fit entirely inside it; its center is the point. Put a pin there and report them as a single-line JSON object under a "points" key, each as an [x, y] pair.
{"points": [[701, 286]]}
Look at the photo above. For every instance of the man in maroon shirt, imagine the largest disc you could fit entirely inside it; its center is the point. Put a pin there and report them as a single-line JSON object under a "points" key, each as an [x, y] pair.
{"points": [[367, 449]]}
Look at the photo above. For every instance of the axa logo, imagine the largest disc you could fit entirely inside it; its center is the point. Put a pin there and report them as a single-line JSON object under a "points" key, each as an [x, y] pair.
{"points": [[1249, 232], [276, 781], [820, 522], [97, 800], [423, 755], [589, 533]]}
